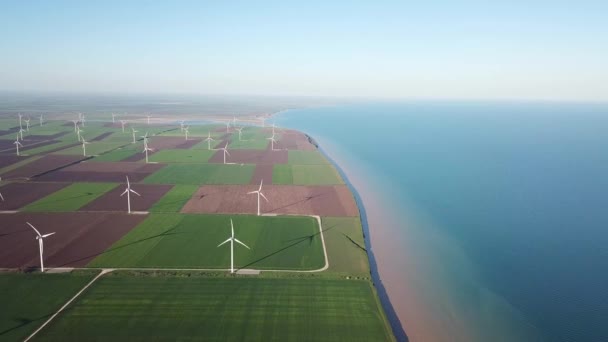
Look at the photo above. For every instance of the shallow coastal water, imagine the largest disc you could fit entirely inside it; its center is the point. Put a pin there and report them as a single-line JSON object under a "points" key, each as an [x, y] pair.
{"points": [[487, 220]]}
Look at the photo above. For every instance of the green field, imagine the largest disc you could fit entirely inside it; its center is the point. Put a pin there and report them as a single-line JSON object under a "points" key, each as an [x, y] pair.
{"points": [[174, 200], [257, 144], [181, 156], [70, 198], [120, 307], [190, 241], [118, 154], [93, 148], [202, 174], [306, 157], [321, 174], [28, 300], [345, 245]]}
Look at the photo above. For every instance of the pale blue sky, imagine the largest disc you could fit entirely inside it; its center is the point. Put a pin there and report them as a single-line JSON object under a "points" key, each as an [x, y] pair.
{"points": [[405, 49]]}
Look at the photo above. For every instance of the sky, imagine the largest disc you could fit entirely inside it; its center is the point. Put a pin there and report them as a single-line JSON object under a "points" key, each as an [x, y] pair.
{"points": [[535, 49]]}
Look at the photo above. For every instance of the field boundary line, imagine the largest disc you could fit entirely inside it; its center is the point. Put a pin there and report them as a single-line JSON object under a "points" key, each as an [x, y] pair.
{"points": [[104, 271]]}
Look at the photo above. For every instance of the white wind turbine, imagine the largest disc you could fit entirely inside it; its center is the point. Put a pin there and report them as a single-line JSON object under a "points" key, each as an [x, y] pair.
{"points": [[82, 119], [209, 140], [186, 131], [122, 123], [84, 146], [40, 238], [113, 118], [75, 124], [41, 120], [78, 133], [240, 130], [21, 130], [17, 144], [232, 240], [27, 124], [148, 116], [146, 149], [1, 197], [225, 149], [228, 126], [181, 125], [128, 191], [234, 121], [20, 116], [133, 131], [260, 194], [272, 141]]}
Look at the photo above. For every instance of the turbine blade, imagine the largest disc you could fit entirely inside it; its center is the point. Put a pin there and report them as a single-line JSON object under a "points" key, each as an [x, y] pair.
{"points": [[224, 242], [252, 192], [124, 192], [135, 192], [261, 194], [47, 235], [37, 232], [237, 240]]}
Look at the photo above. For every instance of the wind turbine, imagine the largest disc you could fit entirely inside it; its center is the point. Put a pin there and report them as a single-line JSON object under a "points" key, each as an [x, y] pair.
{"points": [[240, 129], [75, 124], [234, 121], [128, 191], [84, 146], [17, 144], [41, 120], [78, 133], [209, 140], [259, 192], [21, 130], [82, 119], [225, 149], [20, 125], [186, 131], [181, 125], [113, 118], [123, 122], [133, 131], [27, 124], [228, 126], [232, 240], [273, 126], [272, 141], [1, 197], [148, 116], [40, 238], [146, 149]]}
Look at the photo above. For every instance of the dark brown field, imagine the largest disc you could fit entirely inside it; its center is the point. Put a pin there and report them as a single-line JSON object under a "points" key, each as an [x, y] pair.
{"points": [[103, 172], [251, 157], [282, 199], [79, 237], [262, 171], [42, 165], [10, 159], [294, 140], [166, 143], [17, 195], [112, 201], [102, 136]]}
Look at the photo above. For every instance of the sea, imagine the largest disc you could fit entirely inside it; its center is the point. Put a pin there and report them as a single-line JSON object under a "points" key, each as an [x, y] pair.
{"points": [[486, 221]]}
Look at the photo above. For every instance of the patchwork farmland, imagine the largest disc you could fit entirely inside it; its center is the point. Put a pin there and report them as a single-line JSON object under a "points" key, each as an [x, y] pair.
{"points": [[300, 266]]}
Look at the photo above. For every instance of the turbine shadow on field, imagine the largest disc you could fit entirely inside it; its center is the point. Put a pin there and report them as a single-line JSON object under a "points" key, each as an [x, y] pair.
{"points": [[13, 232], [23, 322], [299, 240], [163, 234], [305, 199]]}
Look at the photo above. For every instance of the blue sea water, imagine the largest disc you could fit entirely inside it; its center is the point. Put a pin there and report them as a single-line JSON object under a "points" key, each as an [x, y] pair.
{"points": [[506, 204]]}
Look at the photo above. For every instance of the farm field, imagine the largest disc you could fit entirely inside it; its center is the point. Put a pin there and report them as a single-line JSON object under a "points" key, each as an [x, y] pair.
{"points": [[181, 156], [320, 174], [70, 198], [345, 245], [190, 241], [175, 308], [30, 299], [306, 157], [202, 174], [174, 200]]}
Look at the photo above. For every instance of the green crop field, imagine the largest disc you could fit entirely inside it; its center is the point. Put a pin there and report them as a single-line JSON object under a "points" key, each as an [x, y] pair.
{"points": [[306, 157], [190, 241], [322, 174], [345, 245], [118, 154], [27, 300], [174, 200], [45, 148], [202, 174], [253, 144], [93, 148], [120, 307], [181, 156], [70, 198]]}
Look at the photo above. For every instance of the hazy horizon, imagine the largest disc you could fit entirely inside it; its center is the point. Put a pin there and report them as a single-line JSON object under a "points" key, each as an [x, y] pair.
{"points": [[516, 51]]}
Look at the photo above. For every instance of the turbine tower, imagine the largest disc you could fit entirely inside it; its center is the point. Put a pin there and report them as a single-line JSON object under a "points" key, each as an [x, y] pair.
{"points": [[232, 240], [75, 124], [113, 118], [228, 126], [122, 123], [78, 133], [41, 120], [186, 131], [20, 116], [240, 129], [21, 130], [27, 124], [1, 197], [259, 193], [133, 131], [84, 146], [272, 141], [82, 119], [40, 238], [128, 191], [148, 116]]}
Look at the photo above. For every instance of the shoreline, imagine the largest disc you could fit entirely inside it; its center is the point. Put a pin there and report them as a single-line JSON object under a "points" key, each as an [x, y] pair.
{"points": [[396, 325]]}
